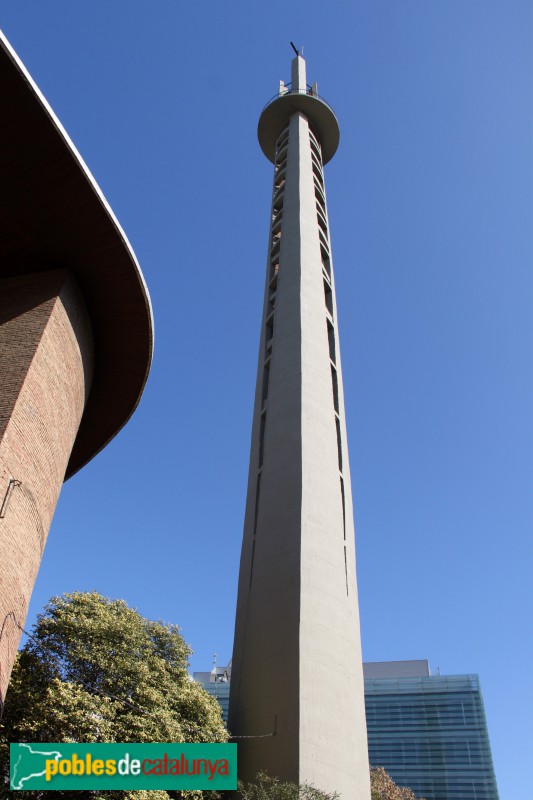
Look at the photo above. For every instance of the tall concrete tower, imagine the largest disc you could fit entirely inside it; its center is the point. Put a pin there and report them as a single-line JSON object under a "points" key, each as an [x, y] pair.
{"points": [[297, 667], [75, 333]]}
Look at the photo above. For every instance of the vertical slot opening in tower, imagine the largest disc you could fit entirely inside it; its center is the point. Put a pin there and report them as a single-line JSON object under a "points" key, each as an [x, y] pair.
{"points": [[326, 263], [346, 569], [331, 341], [269, 333], [335, 386], [256, 512], [264, 387], [343, 500], [328, 297], [339, 445], [262, 437]]}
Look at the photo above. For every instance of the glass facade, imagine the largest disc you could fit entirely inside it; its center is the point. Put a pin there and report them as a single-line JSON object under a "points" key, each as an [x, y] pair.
{"points": [[430, 734], [220, 690], [217, 683]]}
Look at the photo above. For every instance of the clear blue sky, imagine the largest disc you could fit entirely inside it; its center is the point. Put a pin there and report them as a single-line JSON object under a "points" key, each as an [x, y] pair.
{"points": [[430, 202]]}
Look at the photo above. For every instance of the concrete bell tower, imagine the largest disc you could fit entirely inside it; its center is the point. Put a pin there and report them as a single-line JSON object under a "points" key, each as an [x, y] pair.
{"points": [[297, 666]]}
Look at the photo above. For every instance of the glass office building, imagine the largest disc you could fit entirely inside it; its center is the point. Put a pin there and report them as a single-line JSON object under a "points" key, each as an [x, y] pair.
{"points": [[217, 684], [429, 731]]}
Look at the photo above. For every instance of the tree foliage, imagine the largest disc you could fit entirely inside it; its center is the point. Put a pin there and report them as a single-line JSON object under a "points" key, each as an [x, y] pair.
{"points": [[383, 787], [266, 788], [95, 670]]}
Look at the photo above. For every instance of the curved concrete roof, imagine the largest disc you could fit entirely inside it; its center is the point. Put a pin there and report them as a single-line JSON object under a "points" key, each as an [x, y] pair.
{"points": [[53, 215]]}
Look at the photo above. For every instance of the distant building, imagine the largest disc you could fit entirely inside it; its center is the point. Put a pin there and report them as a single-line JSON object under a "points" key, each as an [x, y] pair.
{"points": [[428, 731], [217, 684]]}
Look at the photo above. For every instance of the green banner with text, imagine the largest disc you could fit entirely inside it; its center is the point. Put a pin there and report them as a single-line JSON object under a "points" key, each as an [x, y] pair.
{"points": [[123, 766]]}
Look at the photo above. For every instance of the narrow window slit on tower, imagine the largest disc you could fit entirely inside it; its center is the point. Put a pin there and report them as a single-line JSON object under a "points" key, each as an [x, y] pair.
{"points": [[319, 194], [315, 147], [314, 137], [331, 341], [257, 494], [266, 375], [328, 298], [346, 569], [318, 176], [283, 135], [279, 181], [252, 562], [322, 223], [335, 386], [256, 512], [343, 499], [323, 240], [321, 216], [319, 204], [326, 263], [269, 333], [316, 158], [316, 162], [319, 191], [339, 446], [321, 212], [281, 157], [262, 437]]}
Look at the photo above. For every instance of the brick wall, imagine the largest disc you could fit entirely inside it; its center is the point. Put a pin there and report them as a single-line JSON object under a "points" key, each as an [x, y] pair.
{"points": [[46, 363]]}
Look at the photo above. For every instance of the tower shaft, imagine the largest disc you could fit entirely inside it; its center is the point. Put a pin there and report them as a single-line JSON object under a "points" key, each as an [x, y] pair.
{"points": [[296, 666]]}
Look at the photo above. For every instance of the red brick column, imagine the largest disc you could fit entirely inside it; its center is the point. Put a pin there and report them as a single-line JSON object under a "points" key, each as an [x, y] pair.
{"points": [[46, 365]]}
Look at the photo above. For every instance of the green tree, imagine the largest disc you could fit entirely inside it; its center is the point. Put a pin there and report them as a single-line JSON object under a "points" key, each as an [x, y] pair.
{"points": [[266, 788], [384, 788], [94, 670]]}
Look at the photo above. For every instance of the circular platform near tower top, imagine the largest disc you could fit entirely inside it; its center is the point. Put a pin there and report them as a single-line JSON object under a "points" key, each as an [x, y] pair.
{"points": [[278, 111], [53, 215]]}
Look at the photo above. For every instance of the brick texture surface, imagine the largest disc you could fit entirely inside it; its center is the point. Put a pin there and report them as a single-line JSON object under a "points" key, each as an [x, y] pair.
{"points": [[46, 362]]}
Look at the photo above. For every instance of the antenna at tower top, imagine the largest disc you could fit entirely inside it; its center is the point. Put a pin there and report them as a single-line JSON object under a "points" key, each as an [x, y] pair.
{"points": [[294, 48]]}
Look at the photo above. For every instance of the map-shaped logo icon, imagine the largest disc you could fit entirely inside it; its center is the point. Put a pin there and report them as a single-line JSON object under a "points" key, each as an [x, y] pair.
{"points": [[29, 762]]}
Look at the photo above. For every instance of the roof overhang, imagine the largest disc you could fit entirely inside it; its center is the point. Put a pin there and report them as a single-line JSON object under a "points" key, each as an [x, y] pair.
{"points": [[53, 215]]}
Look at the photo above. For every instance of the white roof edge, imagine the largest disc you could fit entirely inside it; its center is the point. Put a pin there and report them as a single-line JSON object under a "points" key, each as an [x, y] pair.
{"points": [[87, 174]]}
